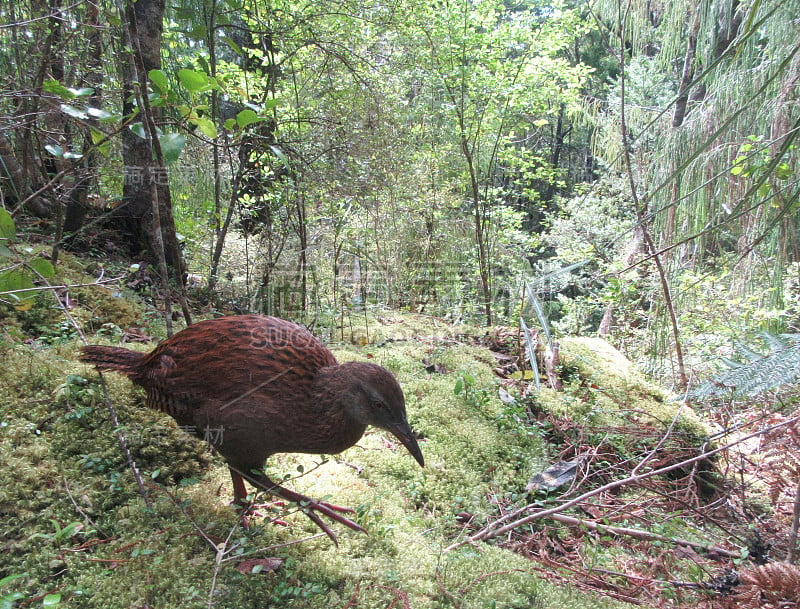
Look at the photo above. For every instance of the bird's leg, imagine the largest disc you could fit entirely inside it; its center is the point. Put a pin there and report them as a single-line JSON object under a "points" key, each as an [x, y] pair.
{"points": [[239, 489], [240, 496], [240, 499], [307, 504]]}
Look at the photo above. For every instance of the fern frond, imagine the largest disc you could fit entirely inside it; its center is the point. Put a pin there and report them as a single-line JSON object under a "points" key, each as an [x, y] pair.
{"points": [[775, 343], [762, 372], [747, 353], [778, 582]]}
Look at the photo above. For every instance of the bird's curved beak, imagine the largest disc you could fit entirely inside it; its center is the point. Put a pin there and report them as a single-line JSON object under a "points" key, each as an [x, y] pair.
{"points": [[402, 432]]}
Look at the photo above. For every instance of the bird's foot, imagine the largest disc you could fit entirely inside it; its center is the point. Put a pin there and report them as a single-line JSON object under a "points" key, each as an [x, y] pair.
{"points": [[260, 510], [310, 507], [334, 512]]}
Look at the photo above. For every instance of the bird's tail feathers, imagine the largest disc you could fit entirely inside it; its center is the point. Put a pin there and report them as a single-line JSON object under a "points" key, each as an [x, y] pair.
{"points": [[112, 358]]}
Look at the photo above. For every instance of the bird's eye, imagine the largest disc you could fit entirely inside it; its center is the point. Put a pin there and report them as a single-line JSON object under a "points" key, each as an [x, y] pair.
{"points": [[377, 405]]}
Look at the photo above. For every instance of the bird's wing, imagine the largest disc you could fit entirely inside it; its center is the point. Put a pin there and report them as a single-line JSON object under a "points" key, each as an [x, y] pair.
{"points": [[218, 366]]}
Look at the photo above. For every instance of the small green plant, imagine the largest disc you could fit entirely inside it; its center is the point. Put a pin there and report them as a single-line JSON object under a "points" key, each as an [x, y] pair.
{"points": [[61, 534], [477, 397], [64, 332], [7, 600], [18, 271], [75, 391], [289, 587], [111, 330]]}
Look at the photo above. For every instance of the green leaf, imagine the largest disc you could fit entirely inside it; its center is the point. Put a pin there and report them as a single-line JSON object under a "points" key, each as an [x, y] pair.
{"points": [[51, 600], [233, 46], [160, 80], [100, 140], [7, 601], [7, 229], [56, 88], [157, 100], [43, 267], [15, 280], [192, 80], [138, 129], [10, 578], [207, 126], [281, 156], [74, 112], [103, 116], [81, 92], [783, 171], [204, 64], [54, 149], [5, 252], [171, 146], [247, 117], [230, 124], [199, 32]]}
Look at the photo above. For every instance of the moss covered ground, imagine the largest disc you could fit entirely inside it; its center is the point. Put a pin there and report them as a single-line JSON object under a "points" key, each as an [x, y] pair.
{"points": [[76, 528]]}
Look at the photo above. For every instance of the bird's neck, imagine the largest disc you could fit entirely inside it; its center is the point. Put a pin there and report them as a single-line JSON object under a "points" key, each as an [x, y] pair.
{"points": [[329, 397]]}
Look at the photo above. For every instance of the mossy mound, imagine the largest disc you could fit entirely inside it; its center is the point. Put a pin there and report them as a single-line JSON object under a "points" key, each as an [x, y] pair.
{"points": [[73, 520], [613, 392], [94, 306]]}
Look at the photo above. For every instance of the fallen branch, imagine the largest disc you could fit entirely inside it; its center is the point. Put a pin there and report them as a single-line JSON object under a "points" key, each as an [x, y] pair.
{"points": [[489, 531], [643, 535]]}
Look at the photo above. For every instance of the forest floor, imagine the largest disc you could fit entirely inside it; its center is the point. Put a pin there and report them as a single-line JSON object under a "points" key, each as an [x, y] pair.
{"points": [[604, 492]]}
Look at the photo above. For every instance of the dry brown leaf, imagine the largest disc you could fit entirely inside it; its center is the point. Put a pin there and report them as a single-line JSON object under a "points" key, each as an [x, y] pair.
{"points": [[259, 565]]}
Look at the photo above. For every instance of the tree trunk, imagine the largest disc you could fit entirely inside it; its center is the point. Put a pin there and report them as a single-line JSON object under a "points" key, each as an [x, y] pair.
{"points": [[480, 228], [688, 73], [15, 184], [145, 175]]}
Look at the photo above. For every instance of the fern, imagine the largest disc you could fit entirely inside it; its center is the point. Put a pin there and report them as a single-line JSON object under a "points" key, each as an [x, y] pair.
{"points": [[759, 372], [778, 583]]}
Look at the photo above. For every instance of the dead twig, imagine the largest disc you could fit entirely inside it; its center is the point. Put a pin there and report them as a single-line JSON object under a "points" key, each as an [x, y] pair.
{"points": [[792, 554], [80, 510], [643, 535]]}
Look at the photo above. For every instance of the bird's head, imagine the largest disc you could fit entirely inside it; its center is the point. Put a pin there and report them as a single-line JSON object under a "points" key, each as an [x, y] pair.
{"points": [[375, 398]]}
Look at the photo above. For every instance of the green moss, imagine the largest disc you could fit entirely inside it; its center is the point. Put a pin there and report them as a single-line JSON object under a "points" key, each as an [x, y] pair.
{"points": [[611, 391], [56, 437], [93, 306]]}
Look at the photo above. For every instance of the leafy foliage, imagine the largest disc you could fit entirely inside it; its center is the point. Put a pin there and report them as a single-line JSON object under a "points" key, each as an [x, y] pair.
{"points": [[759, 372], [18, 272]]}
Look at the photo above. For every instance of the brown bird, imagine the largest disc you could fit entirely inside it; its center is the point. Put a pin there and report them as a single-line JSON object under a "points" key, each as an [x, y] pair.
{"points": [[254, 386]]}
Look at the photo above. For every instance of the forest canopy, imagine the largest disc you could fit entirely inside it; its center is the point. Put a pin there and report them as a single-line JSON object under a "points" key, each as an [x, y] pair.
{"points": [[426, 155], [629, 159]]}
